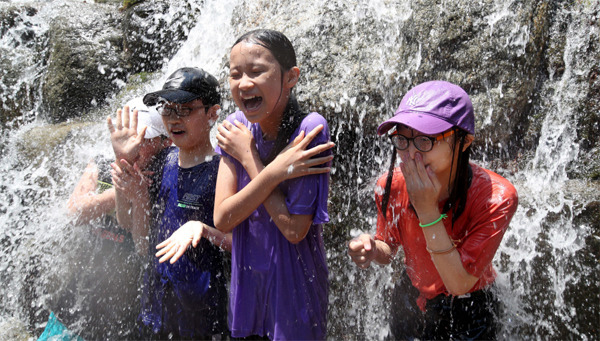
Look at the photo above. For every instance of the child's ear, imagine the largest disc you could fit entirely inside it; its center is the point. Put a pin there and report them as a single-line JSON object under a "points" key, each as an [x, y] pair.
{"points": [[468, 140], [213, 114], [292, 76]]}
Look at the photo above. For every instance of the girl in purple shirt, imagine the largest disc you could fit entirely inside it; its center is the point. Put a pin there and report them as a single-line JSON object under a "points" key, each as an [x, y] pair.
{"points": [[272, 190]]}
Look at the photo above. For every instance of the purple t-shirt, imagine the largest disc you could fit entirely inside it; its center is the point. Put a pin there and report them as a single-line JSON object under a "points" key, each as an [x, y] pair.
{"points": [[280, 289]]}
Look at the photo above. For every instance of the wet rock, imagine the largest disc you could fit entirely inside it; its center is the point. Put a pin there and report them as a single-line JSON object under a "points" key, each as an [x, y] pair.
{"points": [[16, 96], [91, 56], [577, 82], [84, 64], [588, 162], [578, 293], [83, 56], [374, 56], [44, 141], [357, 62], [118, 2], [21, 57], [154, 31], [15, 330], [11, 17], [515, 59]]}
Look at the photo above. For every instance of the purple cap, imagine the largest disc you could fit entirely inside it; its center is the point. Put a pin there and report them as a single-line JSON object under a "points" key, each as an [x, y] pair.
{"points": [[432, 108]]}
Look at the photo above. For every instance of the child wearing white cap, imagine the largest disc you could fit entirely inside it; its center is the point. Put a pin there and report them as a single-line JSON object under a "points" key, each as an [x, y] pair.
{"points": [[101, 300]]}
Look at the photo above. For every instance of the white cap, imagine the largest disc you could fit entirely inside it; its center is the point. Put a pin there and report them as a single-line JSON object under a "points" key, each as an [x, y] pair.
{"points": [[147, 117]]}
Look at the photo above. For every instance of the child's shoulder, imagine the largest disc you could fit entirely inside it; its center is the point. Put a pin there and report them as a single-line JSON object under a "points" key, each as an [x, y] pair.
{"points": [[312, 120], [397, 180], [170, 153], [165, 158], [488, 180], [238, 115]]}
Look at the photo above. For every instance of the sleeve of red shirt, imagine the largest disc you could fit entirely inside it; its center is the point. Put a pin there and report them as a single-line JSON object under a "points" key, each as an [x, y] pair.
{"points": [[489, 220], [387, 231]]}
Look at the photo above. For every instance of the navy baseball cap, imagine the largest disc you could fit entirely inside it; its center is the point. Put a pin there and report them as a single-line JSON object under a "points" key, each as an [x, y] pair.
{"points": [[185, 85]]}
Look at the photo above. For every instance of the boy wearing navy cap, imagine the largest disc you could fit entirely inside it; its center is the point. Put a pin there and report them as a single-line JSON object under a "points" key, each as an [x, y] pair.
{"points": [[185, 298]]}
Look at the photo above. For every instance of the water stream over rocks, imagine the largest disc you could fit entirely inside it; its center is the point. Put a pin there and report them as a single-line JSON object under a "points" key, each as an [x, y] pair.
{"points": [[530, 66]]}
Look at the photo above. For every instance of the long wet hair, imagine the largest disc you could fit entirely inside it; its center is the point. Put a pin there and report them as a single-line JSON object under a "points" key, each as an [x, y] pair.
{"points": [[459, 185], [283, 51]]}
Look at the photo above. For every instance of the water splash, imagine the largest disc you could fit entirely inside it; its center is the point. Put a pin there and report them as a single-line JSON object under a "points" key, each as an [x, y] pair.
{"points": [[543, 235], [537, 261]]}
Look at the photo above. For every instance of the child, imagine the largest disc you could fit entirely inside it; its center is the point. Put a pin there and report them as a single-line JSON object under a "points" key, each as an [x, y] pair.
{"points": [[448, 215], [101, 301], [127, 144], [273, 197], [186, 299]]}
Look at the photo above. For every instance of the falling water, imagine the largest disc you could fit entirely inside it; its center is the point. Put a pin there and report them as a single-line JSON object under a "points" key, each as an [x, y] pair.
{"points": [[548, 271], [542, 247]]}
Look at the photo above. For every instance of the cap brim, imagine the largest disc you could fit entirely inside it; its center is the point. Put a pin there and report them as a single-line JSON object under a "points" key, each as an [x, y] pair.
{"points": [[152, 133], [170, 95], [153, 121], [420, 121]]}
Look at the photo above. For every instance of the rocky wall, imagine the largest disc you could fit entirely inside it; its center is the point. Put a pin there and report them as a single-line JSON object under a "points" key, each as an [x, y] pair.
{"points": [[72, 56]]}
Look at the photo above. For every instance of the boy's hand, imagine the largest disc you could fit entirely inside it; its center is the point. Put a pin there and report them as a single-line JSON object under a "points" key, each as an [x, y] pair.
{"points": [[295, 161], [236, 140], [175, 246], [362, 250], [124, 137], [130, 180]]}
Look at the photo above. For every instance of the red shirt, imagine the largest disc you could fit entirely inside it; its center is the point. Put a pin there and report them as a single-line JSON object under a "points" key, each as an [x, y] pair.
{"points": [[491, 203]]}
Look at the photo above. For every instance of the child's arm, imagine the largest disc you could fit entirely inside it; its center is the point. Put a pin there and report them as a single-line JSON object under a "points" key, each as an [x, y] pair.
{"points": [[424, 191], [123, 205], [140, 213], [188, 234], [364, 249], [131, 186], [84, 203], [232, 208], [126, 143]]}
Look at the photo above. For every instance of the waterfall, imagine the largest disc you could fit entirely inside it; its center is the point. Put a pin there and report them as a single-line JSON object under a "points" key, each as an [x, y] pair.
{"points": [[544, 240], [357, 59]]}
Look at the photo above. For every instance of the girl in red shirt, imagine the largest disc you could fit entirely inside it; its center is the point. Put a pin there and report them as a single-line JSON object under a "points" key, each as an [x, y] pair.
{"points": [[448, 214]]}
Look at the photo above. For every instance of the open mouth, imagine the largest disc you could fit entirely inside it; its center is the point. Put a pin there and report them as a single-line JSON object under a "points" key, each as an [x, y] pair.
{"points": [[177, 132], [252, 103]]}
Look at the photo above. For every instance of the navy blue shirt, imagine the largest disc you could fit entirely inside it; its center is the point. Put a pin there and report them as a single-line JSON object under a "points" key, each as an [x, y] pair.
{"points": [[187, 298]]}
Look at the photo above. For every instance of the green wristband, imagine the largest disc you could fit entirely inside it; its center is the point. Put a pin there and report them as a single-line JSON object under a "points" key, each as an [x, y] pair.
{"points": [[442, 216]]}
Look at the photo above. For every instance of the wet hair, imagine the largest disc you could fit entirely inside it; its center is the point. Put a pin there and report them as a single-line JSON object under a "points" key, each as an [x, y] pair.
{"points": [[462, 181], [274, 41], [281, 48]]}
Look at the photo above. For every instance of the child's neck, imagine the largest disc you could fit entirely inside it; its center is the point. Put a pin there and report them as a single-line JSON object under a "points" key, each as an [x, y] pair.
{"points": [[191, 157], [270, 126], [446, 184]]}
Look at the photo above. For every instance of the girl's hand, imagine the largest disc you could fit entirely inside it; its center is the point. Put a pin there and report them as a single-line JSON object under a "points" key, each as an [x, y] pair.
{"points": [[175, 246], [295, 161], [422, 185], [124, 137], [236, 140], [130, 180], [362, 250]]}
